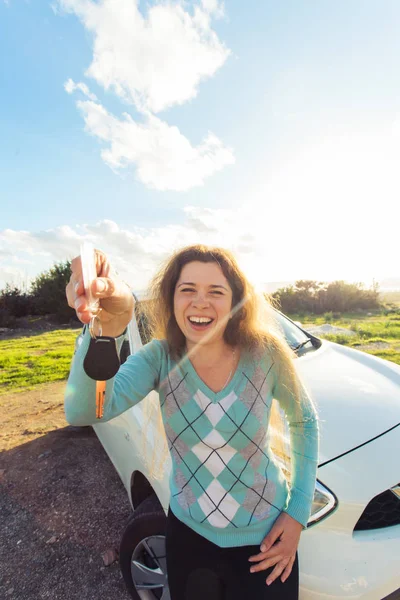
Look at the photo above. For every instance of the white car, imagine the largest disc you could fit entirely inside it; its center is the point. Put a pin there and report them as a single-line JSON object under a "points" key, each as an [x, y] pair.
{"points": [[351, 547]]}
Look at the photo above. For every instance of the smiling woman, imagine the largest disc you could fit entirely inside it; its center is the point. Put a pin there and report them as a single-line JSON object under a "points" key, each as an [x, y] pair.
{"points": [[198, 304], [217, 361], [202, 309]]}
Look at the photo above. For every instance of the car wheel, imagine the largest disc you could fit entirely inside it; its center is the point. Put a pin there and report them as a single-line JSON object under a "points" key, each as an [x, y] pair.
{"points": [[142, 554]]}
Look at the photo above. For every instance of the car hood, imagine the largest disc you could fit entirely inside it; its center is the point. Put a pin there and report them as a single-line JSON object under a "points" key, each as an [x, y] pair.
{"points": [[357, 396]]}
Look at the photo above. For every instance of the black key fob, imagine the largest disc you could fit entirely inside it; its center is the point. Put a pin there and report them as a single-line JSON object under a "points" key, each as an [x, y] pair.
{"points": [[101, 361]]}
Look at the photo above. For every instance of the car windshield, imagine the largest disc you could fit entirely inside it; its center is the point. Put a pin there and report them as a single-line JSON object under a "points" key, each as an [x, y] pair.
{"points": [[293, 335]]}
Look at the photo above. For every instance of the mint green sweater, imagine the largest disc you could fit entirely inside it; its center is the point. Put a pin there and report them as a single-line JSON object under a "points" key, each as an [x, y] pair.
{"points": [[225, 483]]}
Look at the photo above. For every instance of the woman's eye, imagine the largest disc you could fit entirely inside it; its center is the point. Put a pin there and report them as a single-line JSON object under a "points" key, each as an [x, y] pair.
{"points": [[191, 290]]}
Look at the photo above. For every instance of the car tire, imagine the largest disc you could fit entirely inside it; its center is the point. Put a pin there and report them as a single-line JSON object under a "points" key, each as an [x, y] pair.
{"points": [[142, 554]]}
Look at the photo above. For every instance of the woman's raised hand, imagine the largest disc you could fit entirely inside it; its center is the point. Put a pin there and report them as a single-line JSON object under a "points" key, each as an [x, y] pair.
{"points": [[116, 299]]}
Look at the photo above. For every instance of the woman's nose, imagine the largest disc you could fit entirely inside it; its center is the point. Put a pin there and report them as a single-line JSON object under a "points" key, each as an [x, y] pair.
{"points": [[200, 300]]}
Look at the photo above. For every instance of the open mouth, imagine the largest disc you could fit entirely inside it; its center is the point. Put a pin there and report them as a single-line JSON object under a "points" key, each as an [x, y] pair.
{"points": [[200, 323]]}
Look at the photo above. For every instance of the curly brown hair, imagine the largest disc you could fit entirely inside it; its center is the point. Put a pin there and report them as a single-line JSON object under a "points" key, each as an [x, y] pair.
{"points": [[241, 328]]}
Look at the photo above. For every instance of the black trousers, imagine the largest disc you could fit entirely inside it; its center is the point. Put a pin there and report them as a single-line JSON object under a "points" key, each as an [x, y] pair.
{"points": [[200, 570]]}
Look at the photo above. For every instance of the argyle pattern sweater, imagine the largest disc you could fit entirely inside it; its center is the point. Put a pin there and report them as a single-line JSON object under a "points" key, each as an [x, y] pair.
{"points": [[225, 482]]}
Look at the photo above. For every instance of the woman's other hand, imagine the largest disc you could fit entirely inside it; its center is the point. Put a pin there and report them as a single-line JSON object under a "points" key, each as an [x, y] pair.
{"points": [[116, 299], [280, 548]]}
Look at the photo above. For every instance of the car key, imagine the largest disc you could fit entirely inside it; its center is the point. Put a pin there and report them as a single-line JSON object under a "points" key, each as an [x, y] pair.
{"points": [[94, 359], [89, 273]]}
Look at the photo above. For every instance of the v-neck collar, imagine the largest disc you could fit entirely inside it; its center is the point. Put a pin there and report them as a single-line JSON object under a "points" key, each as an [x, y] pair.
{"points": [[200, 384]]}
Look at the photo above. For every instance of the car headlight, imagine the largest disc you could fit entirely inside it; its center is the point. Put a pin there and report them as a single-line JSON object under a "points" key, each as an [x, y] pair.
{"points": [[396, 490], [324, 503]]}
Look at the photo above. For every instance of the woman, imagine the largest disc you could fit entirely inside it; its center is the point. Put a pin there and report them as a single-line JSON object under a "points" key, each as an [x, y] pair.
{"points": [[217, 359]]}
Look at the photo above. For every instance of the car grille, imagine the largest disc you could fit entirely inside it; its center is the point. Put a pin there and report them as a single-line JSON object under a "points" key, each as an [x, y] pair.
{"points": [[382, 511]]}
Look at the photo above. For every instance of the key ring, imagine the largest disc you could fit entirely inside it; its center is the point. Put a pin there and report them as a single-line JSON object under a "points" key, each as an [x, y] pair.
{"points": [[91, 326]]}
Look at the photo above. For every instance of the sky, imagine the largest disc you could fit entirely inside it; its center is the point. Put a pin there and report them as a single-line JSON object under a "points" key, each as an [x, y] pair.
{"points": [[270, 128]]}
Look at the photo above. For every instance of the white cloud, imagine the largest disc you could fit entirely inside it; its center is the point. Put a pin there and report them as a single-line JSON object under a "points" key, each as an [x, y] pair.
{"points": [[135, 253], [152, 61], [213, 7], [155, 60], [70, 86], [264, 247], [163, 157]]}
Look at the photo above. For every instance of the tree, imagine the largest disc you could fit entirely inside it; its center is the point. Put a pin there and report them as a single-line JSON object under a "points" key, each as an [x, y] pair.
{"points": [[48, 292], [14, 301], [13, 304], [318, 297]]}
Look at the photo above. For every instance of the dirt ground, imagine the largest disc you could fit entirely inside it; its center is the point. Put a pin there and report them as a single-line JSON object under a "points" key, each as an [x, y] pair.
{"points": [[62, 504]]}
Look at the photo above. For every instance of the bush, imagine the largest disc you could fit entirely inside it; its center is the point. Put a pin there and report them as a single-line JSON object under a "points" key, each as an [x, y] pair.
{"points": [[6, 318], [14, 303], [48, 292], [331, 299], [45, 297]]}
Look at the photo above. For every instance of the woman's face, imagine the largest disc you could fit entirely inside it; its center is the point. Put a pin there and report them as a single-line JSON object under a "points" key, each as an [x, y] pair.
{"points": [[202, 293]]}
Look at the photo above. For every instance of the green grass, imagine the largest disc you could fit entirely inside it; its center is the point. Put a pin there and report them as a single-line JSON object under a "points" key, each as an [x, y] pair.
{"points": [[370, 328], [28, 361], [44, 358]]}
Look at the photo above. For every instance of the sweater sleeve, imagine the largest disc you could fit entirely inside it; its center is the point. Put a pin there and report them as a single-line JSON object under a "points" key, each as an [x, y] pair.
{"points": [[136, 378], [304, 446]]}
